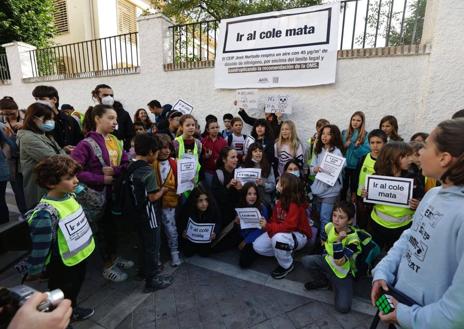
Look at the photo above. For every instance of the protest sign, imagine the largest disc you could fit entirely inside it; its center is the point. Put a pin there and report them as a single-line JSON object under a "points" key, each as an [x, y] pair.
{"points": [[245, 175], [199, 232], [278, 104], [186, 171], [249, 217], [183, 107], [393, 191], [289, 48], [247, 99], [76, 230], [331, 167]]}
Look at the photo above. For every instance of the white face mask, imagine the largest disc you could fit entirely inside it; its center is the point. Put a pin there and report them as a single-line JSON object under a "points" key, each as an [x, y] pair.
{"points": [[107, 100]]}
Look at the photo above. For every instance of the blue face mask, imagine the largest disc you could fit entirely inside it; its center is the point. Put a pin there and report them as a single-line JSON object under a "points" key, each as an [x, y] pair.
{"points": [[47, 126], [296, 173]]}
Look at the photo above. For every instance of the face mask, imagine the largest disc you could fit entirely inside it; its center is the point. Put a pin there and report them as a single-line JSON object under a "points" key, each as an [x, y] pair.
{"points": [[296, 173], [107, 100], [47, 126]]}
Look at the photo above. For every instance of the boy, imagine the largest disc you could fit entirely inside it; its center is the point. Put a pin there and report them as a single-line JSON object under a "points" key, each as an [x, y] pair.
{"points": [[337, 264], [173, 119], [377, 139], [236, 140], [145, 194], [61, 237], [227, 118], [165, 168]]}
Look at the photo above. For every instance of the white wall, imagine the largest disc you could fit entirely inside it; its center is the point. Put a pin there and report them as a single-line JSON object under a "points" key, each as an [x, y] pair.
{"points": [[419, 90]]}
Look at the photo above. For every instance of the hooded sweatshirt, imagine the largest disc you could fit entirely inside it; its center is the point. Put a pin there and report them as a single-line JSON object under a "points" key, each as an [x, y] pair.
{"points": [[427, 262]]}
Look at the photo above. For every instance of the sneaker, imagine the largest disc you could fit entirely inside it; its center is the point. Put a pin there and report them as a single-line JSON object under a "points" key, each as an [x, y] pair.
{"points": [[114, 274], [157, 283], [175, 259], [316, 284], [125, 264], [280, 272], [81, 313]]}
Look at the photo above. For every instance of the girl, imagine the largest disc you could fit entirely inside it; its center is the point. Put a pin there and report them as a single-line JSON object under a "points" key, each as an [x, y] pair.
{"points": [[250, 199], [35, 144], [186, 145], [212, 145], [201, 208], [266, 184], [103, 158], [142, 116], [389, 125], [287, 146], [388, 222], [326, 195], [312, 145], [425, 263], [356, 146], [288, 229], [261, 133], [226, 190]]}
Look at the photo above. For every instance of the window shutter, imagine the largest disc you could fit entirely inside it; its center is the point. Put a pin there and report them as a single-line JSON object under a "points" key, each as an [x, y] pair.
{"points": [[61, 16], [126, 17]]}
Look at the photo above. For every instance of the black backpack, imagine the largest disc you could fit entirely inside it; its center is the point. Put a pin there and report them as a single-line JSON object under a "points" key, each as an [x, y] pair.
{"points": [[124, 198], [370, 251]]}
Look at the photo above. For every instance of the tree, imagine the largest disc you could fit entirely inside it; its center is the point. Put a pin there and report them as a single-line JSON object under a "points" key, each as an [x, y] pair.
{"points": [[29, 21], [183, 11]]}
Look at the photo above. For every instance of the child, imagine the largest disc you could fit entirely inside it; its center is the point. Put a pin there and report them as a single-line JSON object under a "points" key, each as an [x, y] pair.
{"points": [[288, 229], [212, 145], [326, 195], [377, 139], [419, 137], [388, 222], [173, 120], [62, 253], [165, 168], [145, 193], [139, 128], [200, 208], [426, 182], [237, 140], [250, 199], [356, 146], [186, 145], [337, 264], [287, 146], [227, 119], [261, 133], [312, 144], [389, 125], [266, 184]]}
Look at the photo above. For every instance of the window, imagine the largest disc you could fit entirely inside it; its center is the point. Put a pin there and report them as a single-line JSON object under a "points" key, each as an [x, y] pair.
{"points": [[61, 16], [126, 17]]}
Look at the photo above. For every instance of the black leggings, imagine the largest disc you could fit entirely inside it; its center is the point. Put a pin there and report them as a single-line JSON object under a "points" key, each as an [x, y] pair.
{"points": [[386, 237]]}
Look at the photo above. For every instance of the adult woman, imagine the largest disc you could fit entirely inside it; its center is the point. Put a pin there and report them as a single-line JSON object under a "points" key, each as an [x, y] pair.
{"points": [[35, 144], [426, 263], [142, 116]]}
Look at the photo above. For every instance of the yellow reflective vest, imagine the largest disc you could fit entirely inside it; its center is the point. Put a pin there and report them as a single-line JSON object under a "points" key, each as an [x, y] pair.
{"points": [[366, 169]]}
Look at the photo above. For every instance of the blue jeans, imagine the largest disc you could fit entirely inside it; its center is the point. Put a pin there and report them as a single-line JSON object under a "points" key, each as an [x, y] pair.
{"points": [[324, 207]]}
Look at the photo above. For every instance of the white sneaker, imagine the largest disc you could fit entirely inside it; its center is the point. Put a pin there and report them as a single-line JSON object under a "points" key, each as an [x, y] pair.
{"points": [[175, 259], [115, 274], [125, 264]]}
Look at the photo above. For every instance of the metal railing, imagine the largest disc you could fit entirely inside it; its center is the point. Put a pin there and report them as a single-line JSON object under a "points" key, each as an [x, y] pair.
{"points": [[105, 56], [4, 69], [363, 24]]}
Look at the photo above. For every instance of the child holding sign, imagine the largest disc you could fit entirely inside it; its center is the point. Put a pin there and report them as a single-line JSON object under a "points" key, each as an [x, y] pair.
{"points": [[250, 199], [389, 221], [288, 229], [337, 264], [325, 195], [212, 143], [201, 209]]}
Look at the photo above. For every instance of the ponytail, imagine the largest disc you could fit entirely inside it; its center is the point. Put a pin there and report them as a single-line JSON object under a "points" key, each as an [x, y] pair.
{"points": [[448, 138]]}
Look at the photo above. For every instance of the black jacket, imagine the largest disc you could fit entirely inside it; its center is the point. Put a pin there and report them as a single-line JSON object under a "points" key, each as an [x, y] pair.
{"points": [[125, 130], [67, 131]]}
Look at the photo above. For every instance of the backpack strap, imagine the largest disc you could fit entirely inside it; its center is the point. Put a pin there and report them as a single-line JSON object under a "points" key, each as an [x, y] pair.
{"points": [[96, 150]]}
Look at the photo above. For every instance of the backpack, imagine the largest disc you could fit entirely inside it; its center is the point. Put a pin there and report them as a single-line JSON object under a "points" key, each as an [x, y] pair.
{"points": [[370, 250], [124, 198]]}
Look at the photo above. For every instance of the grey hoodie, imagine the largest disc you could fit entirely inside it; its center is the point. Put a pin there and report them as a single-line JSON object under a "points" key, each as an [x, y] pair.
{"points": [[427, 262]]}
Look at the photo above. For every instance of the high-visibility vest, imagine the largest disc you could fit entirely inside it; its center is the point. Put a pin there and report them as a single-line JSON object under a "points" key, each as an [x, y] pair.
{"points": [[74, 235], [181, 154], [366, 169], [349, 265], [391, 217]]}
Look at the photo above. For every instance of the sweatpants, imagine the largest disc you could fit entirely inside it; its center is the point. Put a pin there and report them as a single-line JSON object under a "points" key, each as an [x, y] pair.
{"points": [[266, 246], [168, 218], [342, 288], [149, 246]]}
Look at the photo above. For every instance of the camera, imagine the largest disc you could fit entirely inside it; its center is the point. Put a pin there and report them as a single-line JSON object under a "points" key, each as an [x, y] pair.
{"points": [[20, 294]]}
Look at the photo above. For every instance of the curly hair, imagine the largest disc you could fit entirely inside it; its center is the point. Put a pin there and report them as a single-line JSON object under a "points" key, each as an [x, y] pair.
{"points": [[52, 170]]}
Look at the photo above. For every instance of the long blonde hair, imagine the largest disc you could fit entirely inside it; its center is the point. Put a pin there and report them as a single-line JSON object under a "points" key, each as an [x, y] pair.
{"points": [[362, 130], [294, 142]]}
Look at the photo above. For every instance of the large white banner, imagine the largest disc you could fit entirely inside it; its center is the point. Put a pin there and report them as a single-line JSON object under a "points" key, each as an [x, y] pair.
{"points": [[290, 48]]}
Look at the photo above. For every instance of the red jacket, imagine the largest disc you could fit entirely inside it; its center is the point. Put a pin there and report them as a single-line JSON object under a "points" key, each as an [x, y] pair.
{"points": [[293, 220], [216, 146]]}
